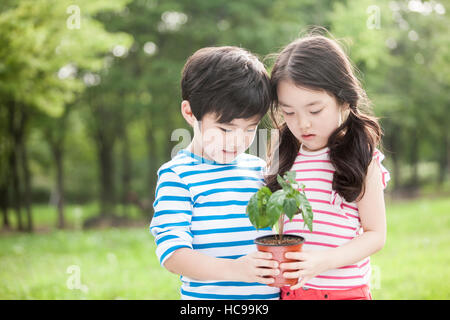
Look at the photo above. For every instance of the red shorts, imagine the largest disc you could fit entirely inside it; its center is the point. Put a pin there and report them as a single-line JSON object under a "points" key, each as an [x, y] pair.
{"points": [[358, 293]]}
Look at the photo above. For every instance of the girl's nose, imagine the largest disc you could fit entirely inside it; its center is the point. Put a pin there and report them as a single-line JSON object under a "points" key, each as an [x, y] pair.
{"points": [[305, 123]]}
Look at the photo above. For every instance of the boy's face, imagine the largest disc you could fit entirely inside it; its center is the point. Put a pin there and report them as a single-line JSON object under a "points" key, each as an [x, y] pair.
{"points": [[223, 142]]}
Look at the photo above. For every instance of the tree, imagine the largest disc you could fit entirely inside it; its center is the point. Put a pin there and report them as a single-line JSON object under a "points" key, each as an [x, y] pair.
{"points": [[43, 45], [404, 59]]}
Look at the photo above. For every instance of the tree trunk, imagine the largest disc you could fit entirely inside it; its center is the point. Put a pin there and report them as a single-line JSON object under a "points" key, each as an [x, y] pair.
{"points": [[4, 206], [58, 158], [392, 144], [13, 158], [107, 190], [152, 159], [126, 168], [26, 176], [5, 170], [55, 134], [444, 158], [396, 169], [104, 134], [414, 158]]}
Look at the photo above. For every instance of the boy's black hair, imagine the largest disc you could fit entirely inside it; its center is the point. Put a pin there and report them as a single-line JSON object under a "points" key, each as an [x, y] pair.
{"points": [[229, 82]]}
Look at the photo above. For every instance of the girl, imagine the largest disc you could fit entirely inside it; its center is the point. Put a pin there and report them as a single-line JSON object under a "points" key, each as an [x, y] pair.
{"points": [[331, 144]]}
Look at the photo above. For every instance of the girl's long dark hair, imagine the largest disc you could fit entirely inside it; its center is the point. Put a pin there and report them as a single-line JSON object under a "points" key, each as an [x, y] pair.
{"points": [[318, 63]]}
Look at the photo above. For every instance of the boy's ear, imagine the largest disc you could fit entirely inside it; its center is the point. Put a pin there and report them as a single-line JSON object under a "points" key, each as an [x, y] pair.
{"points": [[186, 111]]}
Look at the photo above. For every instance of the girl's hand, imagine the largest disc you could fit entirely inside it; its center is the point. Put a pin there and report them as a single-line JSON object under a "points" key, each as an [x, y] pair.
{"points": [[309, 265], [256, 267]]}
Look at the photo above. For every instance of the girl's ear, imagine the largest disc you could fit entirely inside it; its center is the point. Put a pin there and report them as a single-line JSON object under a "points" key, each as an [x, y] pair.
{"points": [[186, 111], [344, 112], [345, 106]]}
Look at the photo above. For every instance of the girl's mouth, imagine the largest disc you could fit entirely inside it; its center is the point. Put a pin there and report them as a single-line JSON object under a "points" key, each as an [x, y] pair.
{"points": [[307, 136]]}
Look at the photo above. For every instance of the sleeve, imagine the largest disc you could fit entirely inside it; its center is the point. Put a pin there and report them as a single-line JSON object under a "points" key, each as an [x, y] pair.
{"points": [[264, 169], [338, 202], [171, 222], [385, 176]]}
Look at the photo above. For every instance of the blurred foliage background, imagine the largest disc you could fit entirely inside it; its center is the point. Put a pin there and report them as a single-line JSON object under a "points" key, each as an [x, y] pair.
{"points": [[90, 96]]}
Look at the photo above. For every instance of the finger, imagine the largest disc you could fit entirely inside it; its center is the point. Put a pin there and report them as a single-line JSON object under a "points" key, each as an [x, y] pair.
{"points": [[301, 283], [263, 255], [295, 287], [295, 255], [267, 263], [291, 275], [262, 272], [264, 280], [292, 265]]}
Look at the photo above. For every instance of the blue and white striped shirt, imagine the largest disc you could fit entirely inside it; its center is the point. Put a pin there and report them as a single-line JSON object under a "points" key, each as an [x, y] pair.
{"points": [[200, 204]]}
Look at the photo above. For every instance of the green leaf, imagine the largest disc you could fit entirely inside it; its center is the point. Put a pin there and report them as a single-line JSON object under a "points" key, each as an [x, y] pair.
{"points": [[308, 216], [257, 209], [290, 176], [305, 208], [307, 212], [277, 199], [290, 206], [284, 184], [286, 187], [275, 205], [302, 187]]}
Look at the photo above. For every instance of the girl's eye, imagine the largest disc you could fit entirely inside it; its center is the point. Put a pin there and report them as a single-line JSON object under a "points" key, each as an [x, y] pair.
{"points": [[251, 130], [224, 130], [316, 112], [288, 113]]}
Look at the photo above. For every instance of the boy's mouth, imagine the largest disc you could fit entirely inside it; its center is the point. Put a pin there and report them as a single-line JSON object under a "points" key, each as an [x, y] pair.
{"points": [[230, 153]]}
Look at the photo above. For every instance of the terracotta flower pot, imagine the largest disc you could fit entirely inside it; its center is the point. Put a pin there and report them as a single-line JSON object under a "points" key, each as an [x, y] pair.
{"points": [[295, 243]]}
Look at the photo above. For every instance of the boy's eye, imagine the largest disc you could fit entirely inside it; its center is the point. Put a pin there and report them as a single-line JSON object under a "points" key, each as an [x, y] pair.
{"points": [[251, 130], [224, 130]]}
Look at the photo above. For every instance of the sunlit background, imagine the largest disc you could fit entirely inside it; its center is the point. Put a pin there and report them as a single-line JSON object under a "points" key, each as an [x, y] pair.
{"points": [[90, 97]]}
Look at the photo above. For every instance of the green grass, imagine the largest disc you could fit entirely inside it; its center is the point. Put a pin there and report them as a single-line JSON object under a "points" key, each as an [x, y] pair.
{"points": [[121, 263], [414, 264], [113, 264]]}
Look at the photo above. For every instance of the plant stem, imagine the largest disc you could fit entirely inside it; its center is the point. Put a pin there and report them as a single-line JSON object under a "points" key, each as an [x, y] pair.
{"points": [[281, 226]]}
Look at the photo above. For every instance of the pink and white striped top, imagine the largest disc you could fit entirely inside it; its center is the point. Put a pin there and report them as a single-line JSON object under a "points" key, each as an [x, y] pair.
{"points": [[336, 221]]}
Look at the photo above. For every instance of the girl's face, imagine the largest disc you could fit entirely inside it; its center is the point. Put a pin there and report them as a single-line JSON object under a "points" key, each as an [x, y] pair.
{"points": [[311, 116]]}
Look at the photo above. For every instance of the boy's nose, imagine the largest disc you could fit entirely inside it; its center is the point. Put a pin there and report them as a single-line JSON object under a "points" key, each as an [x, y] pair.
{"points": [[234, 142]]}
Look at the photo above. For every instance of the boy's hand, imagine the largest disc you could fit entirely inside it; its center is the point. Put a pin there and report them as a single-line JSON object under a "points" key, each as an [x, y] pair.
{"points": [[256, 267], [309, 265]]}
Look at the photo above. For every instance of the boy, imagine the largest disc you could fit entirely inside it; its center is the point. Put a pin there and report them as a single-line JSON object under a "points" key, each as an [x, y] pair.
{"points": [[200, 226]]}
